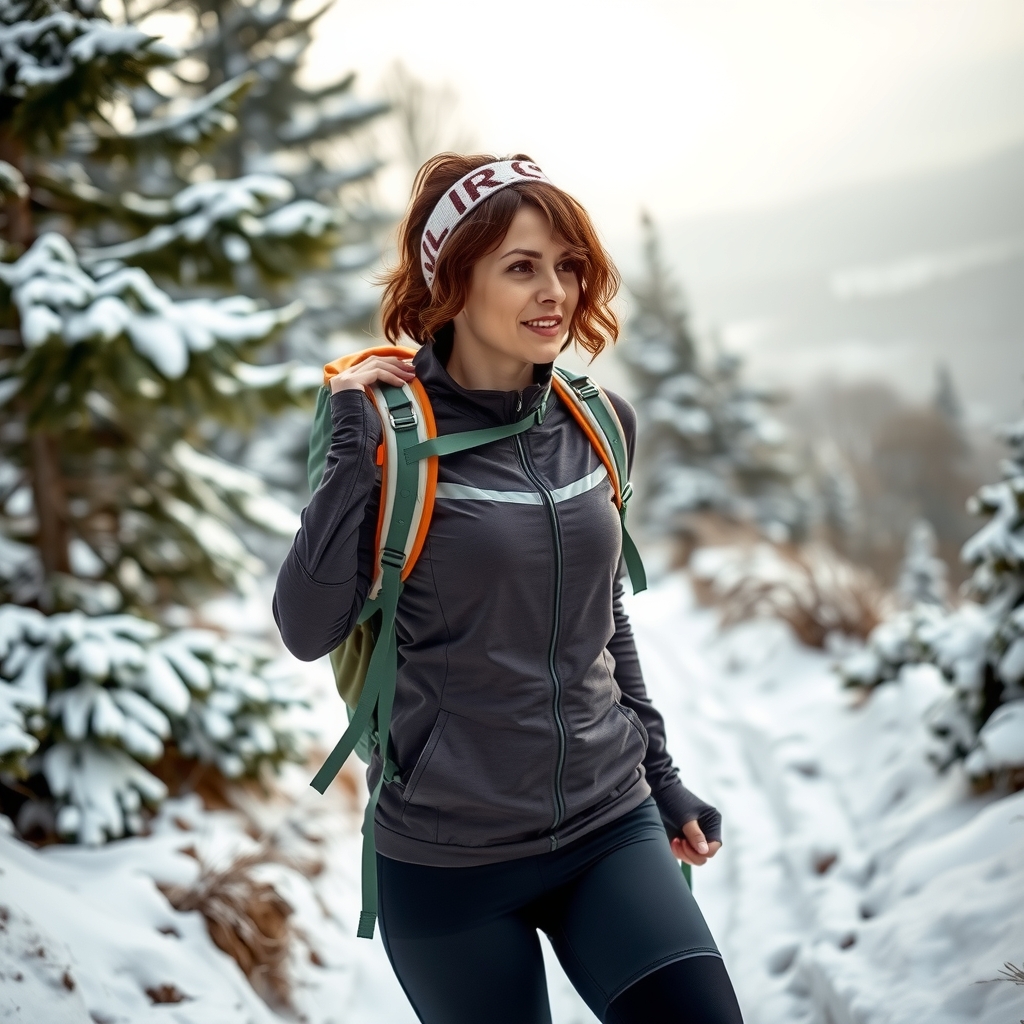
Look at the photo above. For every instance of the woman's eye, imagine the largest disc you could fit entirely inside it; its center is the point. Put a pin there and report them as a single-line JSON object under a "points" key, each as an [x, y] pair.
{"points": [[523, 266]]}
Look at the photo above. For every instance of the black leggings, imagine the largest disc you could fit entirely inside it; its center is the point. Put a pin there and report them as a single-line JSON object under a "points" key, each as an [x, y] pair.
{"points": [[463, 941]]}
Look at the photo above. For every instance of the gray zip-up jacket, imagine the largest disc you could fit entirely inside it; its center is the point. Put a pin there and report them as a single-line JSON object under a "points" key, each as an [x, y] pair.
{"points": [[520, 721]]}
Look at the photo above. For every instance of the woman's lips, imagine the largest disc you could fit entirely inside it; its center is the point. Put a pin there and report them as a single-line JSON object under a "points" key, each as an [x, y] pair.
{"points": [[545, 326]]}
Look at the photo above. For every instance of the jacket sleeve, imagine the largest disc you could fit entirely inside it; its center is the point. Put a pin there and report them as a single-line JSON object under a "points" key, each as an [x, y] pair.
{"points": [[673, 799], [323, 582], [662, 775]]}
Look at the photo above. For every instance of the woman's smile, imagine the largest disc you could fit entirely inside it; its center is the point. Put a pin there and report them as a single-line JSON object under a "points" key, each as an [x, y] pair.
{"points": [[545, 326]]}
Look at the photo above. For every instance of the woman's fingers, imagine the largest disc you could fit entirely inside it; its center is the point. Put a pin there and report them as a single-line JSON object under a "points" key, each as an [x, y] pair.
{"points": [[695, 837], [387, 369], [685, 851]]}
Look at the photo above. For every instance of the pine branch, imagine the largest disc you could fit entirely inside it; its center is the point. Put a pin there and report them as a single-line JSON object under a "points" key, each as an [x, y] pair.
{"points": [[325, 124], [202, 124], [329, 91], [60, 68]]}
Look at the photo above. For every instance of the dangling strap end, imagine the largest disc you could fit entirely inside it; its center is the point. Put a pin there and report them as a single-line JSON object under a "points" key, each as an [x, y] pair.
{"points": [[634, 563], [328, 771], [687, 874], [367, 920]]}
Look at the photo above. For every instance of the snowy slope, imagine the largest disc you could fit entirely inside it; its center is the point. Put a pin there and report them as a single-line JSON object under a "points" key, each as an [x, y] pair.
{"points": [[854, 885]]}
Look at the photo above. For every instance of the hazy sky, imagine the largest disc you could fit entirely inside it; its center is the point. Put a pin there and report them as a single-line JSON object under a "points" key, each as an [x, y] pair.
{"points": [[693, 107]]}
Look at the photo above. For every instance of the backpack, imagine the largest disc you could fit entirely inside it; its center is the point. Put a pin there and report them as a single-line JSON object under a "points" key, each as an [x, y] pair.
{"points": [[365, 664]]}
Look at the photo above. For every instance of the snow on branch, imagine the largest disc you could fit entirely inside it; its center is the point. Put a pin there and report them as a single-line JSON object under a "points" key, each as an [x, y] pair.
{"points": [[56, 66], [57, 299], [105, 694], [38, 54], [243, 490], [236, 215], [332, 116], [12, 182], [201, 122]]}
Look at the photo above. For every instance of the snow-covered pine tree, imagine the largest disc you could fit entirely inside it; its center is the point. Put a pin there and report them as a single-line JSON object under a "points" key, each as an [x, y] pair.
{"points": [[312, 137], [900, 640], [979, 647], [946, 400], [922, 578], [306, 135], [994, 697], [840, 512], [115, 518], [710, 441]]}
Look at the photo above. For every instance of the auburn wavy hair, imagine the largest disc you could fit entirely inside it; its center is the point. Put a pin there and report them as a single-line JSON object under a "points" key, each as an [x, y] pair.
{"points": [[412, 310]]}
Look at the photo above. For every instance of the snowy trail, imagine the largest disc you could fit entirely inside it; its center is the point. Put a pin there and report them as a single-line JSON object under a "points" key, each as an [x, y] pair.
{"points": [[745, 892]]}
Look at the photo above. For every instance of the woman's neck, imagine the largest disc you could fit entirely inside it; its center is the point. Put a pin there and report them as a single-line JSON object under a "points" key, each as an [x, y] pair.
{"points": [[476, 367]]}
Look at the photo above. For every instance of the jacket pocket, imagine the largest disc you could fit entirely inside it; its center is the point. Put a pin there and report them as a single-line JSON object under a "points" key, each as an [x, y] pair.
{"points": [[634, 720], [428, 749]]}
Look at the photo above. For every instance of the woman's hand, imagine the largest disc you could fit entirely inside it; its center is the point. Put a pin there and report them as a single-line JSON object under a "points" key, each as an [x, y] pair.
{"points": [[384, 369], [694, 848], [701, 832]]}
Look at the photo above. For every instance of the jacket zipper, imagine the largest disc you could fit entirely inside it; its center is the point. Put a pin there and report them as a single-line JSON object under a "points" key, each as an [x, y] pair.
{"points": [[549, 502]]}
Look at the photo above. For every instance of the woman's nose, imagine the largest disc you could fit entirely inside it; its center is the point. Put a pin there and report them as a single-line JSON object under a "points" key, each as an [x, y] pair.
{"points": [[551, 289]]}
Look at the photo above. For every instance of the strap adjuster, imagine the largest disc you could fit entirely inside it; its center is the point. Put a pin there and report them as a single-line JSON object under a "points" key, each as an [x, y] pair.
{"points": [[403, 417], [627, 492], [389, 556], [584, 387]]}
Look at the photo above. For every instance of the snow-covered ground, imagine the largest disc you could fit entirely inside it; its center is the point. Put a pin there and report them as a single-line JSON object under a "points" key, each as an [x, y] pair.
{"points": [[855, 885]]}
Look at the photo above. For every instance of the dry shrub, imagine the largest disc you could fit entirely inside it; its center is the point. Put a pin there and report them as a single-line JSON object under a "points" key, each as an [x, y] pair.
{"points": [[1002, 782], [698, 530], [187, 775], [246, 917], [1011, 972], [166, 994], [812, 588]]}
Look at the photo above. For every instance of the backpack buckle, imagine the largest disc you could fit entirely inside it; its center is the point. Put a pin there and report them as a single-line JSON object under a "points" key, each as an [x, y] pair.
{"points": [[627, 492], [403, 417], [389, 556], [584, 388]]}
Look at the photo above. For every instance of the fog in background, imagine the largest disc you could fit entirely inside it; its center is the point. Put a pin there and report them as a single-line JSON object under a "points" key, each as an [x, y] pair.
{"points": [[839, 185]]}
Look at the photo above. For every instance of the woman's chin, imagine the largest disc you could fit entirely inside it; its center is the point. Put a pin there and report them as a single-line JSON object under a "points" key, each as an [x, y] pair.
{"points": [[544, 350]]}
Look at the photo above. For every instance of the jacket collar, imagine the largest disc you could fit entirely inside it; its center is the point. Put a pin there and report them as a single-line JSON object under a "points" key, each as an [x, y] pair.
{"points": [[497, 407]]}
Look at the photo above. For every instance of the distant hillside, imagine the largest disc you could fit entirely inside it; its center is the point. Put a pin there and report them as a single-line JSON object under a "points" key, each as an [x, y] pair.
{"points": [[883, 279]]}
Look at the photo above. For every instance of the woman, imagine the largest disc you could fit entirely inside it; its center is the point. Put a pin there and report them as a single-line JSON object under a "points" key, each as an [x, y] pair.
{"points": [[535, 789]]}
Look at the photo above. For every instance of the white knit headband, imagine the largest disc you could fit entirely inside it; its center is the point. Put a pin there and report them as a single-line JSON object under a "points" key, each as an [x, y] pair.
{"points": [[464, 197]]}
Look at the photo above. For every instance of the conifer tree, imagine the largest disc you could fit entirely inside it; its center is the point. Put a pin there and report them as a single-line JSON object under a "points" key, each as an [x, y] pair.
{"points": [[711, 443], [946, 401], [117, 518], [306, 135], [312, 138], [922, 578], [979, 647]]}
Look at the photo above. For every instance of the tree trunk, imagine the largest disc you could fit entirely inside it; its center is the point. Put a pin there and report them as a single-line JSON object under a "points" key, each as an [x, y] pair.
{"points": [[50, 502], [16, 220], [44, 453]]}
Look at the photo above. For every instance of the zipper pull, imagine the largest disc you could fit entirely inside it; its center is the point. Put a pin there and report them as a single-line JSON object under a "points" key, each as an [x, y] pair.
{"points": [[519, 401]]}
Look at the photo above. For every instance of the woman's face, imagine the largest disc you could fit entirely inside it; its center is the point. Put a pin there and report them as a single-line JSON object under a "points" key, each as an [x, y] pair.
{"points": [[522, 296]]}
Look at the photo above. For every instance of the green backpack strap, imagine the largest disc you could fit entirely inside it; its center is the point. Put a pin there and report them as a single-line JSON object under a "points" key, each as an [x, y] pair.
{"points": [[600, 413], [448, 444], [378, 694]]}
